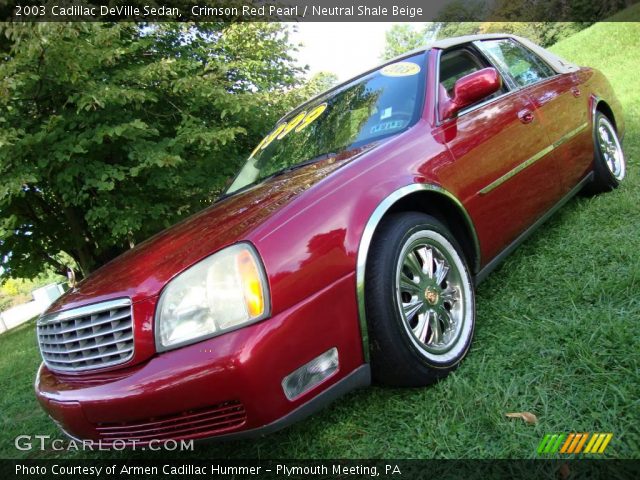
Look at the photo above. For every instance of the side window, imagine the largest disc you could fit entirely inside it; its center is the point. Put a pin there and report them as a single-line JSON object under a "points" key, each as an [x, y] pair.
{"points": [[455, 64], [522, 65]]}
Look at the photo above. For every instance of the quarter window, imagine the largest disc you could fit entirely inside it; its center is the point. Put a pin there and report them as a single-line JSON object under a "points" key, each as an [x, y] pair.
{"points": [[522, 65]]}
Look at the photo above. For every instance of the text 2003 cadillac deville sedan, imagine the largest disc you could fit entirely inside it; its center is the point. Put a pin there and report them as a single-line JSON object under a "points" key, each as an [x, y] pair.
{"points": [[346, 249]]}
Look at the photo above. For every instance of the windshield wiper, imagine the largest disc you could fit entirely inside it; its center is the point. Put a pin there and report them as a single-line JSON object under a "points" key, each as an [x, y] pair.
{"points": [[282, 171], [343, 155], [297, 166]]}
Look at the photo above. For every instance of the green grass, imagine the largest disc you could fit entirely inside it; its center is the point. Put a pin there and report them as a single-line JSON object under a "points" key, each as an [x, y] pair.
{"points": [[21, 413], [557, 334]]}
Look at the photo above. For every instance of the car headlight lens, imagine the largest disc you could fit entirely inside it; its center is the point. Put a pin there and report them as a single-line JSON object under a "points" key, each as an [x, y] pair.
{"points": [[223, 292]]}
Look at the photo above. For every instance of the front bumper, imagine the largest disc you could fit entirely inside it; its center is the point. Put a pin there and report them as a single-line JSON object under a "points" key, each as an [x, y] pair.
{"points": [[224, 386]]}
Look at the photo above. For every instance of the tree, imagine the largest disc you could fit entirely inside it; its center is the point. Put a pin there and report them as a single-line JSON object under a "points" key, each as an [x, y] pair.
{"points": [[542, 33], [111, 132], [321, 82], [507, 17], [318, 83], [400, 39], [458, 18], [16, 291]]}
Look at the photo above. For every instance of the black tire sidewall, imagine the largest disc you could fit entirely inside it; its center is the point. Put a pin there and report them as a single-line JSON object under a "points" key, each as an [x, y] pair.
{"points": [[390, 340], [603, 180]]}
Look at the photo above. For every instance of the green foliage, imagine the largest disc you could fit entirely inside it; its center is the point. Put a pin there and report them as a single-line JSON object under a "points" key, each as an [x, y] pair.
{"points": [[319, 83], [447, 29], [563, 349], [458, 18], [400, 39], [542, 33], [6, 302], [471, 17], [14, 291], [111, 132], [462, 17]]}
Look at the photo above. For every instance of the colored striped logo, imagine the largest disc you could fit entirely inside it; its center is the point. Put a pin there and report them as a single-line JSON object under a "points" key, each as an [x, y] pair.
{"points": [[574, 443]]}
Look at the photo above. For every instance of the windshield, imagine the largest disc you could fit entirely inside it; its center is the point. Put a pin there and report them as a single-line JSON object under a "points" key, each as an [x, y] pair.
{"points": [[374, 106]]}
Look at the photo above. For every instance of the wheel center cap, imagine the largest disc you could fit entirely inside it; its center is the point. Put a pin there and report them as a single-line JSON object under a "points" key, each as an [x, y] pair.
{"points": [[431, 296]]}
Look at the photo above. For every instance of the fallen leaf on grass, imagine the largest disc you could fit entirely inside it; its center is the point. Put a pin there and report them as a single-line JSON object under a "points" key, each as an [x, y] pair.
{"points": [[564, 472], [526, 416]]}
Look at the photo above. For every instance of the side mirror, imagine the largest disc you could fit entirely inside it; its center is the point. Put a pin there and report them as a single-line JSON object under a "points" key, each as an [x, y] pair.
{"points": [[468, 90]]}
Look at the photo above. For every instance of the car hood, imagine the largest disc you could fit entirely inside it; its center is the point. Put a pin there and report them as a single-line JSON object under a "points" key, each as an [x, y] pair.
{"points": [[144, 270]]}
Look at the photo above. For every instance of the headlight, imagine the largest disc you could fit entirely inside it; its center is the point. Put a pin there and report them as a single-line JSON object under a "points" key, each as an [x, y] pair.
{"points": [[223, 292]]}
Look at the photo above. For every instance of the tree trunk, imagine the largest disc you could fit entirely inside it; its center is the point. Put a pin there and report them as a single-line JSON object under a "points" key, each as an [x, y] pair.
{"points": [[81, 244]]}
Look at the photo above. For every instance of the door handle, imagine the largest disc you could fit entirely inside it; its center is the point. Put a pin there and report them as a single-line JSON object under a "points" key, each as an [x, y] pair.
{"points": [[525, 116], [576, 92]]}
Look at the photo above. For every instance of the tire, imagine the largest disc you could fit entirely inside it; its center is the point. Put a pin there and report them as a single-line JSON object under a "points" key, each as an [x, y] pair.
{"points": [[413, 345], [609, 164]]}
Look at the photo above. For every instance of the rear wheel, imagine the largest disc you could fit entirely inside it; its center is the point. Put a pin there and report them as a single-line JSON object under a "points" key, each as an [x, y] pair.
{"points": [[610, 166], [419, 301]]}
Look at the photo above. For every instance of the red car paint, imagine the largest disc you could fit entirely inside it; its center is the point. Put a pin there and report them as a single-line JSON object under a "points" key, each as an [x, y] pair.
{"points": [[307, 226]]}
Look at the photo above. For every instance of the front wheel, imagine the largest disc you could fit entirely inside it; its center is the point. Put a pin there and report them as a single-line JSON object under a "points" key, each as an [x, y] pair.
{"points": [[419, 301], [610, 166]]}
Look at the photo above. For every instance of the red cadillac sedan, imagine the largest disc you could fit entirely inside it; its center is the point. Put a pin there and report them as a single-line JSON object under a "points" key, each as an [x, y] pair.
{"points": [[346, 249]]}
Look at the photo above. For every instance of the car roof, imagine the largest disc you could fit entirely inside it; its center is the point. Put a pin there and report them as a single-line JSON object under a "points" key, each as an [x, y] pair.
{"points": [[558, 64], [450, 42]]}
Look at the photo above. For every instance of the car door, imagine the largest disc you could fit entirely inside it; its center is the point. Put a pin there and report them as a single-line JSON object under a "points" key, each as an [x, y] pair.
{"points": [[502, 170], [559, 104]]}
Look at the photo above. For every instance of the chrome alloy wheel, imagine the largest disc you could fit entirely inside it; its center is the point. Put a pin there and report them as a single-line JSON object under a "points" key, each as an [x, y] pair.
{"points": [[610, 148], [433, 295]]}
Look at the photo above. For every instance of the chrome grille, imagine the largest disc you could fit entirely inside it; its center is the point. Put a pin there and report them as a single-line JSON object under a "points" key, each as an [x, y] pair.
{"points": [[89, 337]]}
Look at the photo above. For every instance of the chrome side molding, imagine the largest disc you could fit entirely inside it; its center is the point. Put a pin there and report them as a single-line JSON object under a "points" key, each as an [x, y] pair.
{"points": [[530, 161]]}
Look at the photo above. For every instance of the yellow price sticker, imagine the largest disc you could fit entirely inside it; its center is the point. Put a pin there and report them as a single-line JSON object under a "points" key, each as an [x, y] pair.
{"points": [[311, 116], [296, 124], [272, 136], [292, 124], [400, 69]]}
